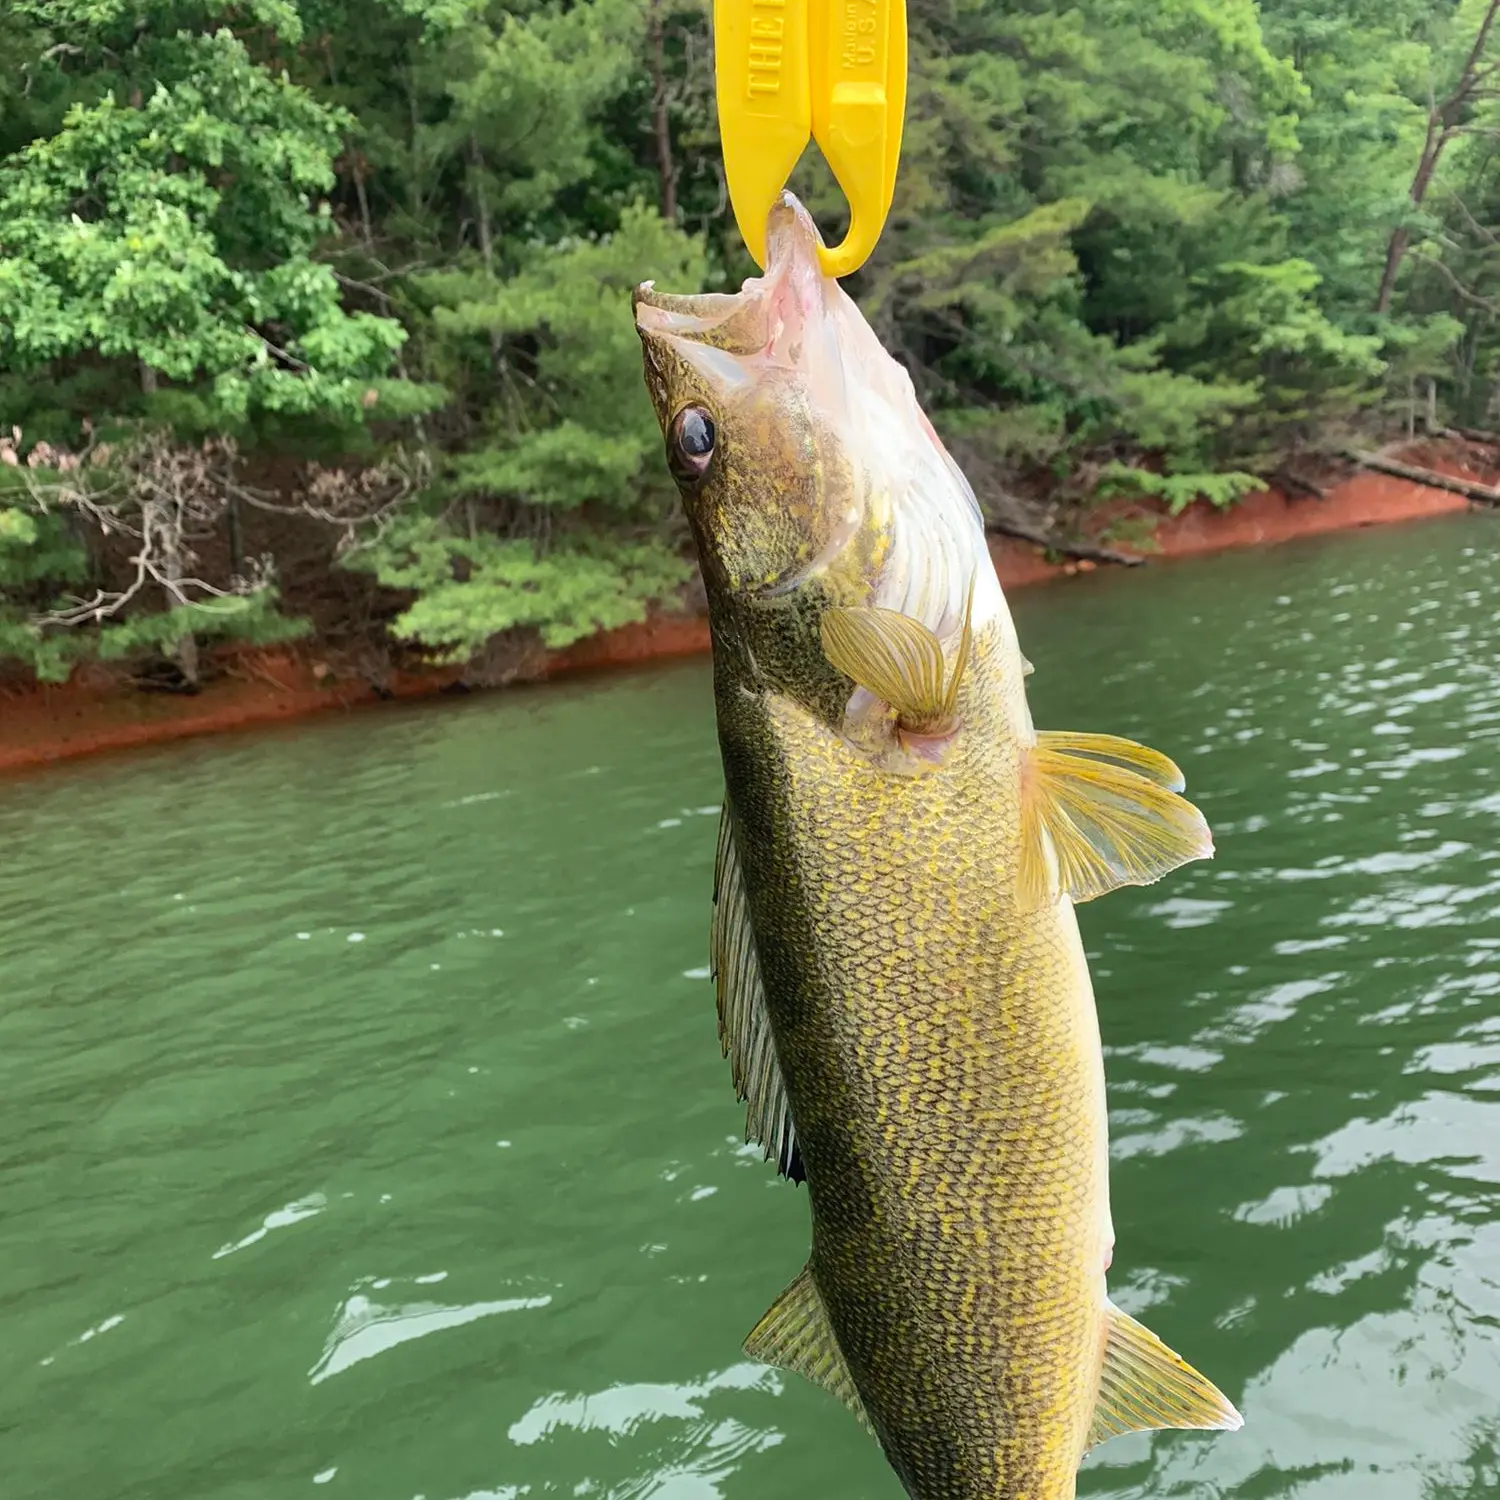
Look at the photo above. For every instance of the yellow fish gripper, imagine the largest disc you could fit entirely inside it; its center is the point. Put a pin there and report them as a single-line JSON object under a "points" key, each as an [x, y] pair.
{"points": [[834, 71]]}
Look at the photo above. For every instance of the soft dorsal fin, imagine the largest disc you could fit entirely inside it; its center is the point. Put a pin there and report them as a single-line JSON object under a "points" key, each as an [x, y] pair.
{"points": [[1145, 1386], [900, 661], [1099, 812], [744, 1026], [796, 1335]]}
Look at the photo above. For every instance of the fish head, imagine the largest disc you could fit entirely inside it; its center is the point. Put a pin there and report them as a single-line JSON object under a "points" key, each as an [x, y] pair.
{"points": [[808, 472], [752, 394]]}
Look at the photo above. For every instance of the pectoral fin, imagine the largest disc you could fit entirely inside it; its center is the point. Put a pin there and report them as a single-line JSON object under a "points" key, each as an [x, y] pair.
{"points": [[744, 1026], [896, 658], [900, 661], [1099, 812], [796, 1335], [1145, 1386]]}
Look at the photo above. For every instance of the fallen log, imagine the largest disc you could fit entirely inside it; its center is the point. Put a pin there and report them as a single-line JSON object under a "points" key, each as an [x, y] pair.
{"points": [[1087, 551], [1472, 435], [1483, 493]]}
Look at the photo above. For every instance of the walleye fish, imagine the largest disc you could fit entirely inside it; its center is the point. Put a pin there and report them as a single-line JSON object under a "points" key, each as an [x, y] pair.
{"points": [[902, 990]]}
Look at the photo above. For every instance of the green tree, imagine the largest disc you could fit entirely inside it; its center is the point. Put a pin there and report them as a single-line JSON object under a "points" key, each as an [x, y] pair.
{"points": [[158, 270], [377, 259], [554, 515]]}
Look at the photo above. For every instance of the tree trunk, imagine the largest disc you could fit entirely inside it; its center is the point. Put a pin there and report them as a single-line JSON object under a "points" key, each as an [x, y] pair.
{"points": [[1472, 435], [661, 124], [1443, 121], [1040, 536], [486, 237], [236, 538], [482, 207], [185, 651], [364, 202]]}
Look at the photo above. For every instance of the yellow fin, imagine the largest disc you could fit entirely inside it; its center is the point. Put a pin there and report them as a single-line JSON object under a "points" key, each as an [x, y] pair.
{"points": [[1111, 747], [961, 660], [1099, 812], [796, 1335], [896, 658], [900, 661], [1145, 1386], [744, 1026]]}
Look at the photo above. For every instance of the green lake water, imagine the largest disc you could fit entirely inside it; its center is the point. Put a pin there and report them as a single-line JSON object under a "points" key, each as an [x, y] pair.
{"points": [[363, 1130]]}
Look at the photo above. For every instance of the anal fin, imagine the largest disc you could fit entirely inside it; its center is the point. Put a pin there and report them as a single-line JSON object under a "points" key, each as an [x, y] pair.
{"points": [[1146, 1387], [796, 1335]]}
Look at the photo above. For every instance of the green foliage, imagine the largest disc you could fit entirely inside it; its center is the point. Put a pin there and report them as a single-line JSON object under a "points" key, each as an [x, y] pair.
{"points": [[253, 619], [36, 549], [178, 233], [36, 555], [52, 652], [1136, 250], [471, 588], [1208, 306], [550, 358], [1178, 490]]}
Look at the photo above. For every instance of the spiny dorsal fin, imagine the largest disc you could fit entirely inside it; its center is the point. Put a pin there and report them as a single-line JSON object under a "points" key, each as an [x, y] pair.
{"points": [[796, 1335], [900, 661], [744, 1027], [961, 660], [1106, 811], [1145, 1386]]}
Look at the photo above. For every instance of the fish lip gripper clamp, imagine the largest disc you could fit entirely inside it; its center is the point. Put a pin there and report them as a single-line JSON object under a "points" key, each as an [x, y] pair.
{"points": [[833, 71]]}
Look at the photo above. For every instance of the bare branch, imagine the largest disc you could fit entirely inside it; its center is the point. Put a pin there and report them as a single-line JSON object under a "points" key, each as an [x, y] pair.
{"points": [[359, 505], [1487, 235], [300, 366], [1442, 126], [352, 284], [1284, 479], [1473, 298], [161, 497]]}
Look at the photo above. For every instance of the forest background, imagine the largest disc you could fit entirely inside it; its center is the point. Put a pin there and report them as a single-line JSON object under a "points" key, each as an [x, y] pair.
{"points": [[314, 314]]}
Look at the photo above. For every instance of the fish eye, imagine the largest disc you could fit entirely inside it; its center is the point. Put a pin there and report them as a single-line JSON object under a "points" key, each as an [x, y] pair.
{"points": [[690, 444]]}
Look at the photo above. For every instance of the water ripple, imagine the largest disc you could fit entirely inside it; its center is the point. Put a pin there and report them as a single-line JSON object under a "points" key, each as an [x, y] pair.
{"points": [[485, 1165], [366, 1328]]}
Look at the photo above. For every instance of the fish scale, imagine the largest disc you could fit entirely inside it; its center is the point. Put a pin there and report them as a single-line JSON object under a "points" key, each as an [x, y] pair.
{"points": [[901, 986], [956, 1068]]}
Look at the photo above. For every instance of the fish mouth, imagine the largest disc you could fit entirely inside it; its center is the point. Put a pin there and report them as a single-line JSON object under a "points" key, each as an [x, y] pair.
{"points": [[768, 317]]}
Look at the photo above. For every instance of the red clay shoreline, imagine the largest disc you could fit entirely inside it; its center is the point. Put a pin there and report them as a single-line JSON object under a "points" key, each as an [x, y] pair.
{"points": [[41, 724]]}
